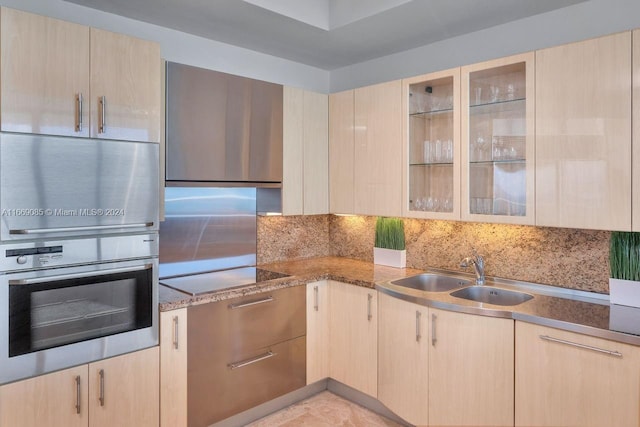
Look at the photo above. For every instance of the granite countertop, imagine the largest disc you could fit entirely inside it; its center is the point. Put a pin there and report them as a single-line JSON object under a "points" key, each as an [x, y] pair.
{"points": [[591, 317]]}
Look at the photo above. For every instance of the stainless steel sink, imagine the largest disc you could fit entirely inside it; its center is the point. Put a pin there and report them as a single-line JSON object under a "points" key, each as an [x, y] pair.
{"points": [[431, 282], [492, 295]]}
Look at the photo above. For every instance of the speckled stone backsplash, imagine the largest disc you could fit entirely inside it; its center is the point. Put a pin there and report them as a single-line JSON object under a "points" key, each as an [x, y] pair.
{"points": [[284, 238], [576, 259]]}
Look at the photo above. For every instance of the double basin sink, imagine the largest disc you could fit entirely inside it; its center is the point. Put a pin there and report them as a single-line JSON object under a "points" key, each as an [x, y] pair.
{"points": [[464, 289]]}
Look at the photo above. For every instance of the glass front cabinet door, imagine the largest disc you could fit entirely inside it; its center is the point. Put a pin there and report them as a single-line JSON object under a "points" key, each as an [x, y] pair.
{"points": [[431, 179], [498, 148]]}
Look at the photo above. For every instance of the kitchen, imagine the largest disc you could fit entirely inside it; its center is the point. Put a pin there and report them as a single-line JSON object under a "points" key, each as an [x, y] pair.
{"points": [[561, 249]]}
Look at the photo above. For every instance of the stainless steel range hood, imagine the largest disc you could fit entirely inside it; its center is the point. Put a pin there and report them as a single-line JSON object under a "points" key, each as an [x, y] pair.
{"points": [[222, 130]]}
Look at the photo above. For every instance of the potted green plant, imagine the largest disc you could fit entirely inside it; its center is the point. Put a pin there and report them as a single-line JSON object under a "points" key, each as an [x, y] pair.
{"points": [[389, 248], [624, 261]]}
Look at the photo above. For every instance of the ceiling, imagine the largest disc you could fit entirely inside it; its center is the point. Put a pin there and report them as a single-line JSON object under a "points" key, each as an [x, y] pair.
{"points": [[327, 34]]}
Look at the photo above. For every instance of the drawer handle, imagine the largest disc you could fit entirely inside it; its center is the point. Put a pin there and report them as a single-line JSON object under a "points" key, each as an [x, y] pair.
{"points": [[79, 112], [249, 304], [583, 346], [369, 298], [253, 360], [102, 124], [433, 330], [418, 334]]}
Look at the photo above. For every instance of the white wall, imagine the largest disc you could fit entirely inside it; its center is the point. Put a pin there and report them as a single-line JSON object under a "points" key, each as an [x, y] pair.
{"points": [[185, 48], [578, 22]]}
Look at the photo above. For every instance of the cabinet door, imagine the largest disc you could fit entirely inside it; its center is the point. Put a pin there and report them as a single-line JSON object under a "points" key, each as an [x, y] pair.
{"points": [[403, 358], [125, 74], [378, 150], [341, 152], [635, 197], [470, 370], [317, 331], [57, 399], [353, 349], [498, 146], [173, 368], [583, 134], [305, 188], [572, 380], [431, 146], [45, 75], [124, 390]]}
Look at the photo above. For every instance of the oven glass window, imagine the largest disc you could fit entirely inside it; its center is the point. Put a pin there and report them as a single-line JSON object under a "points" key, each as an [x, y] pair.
{"points": [[54, 313]]}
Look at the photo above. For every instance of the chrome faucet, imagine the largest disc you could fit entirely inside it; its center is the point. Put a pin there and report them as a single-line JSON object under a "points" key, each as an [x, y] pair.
{"points": [[478, 264]]}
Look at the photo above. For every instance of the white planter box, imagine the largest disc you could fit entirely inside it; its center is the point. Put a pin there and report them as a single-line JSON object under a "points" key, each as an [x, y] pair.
{"points": [[624, 292], [390, 257]]}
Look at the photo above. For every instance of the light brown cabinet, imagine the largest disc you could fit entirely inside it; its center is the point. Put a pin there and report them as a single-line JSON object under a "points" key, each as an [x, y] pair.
{"points": [[378, 149], [403, 358], [121, 390], [568, 379], [353, 338], [317, 331], [305, 181], [635, 197], [498, 148], [61, 78], [341, 152], [173, 368], [583, 134], [471, 364], [431, 145]]}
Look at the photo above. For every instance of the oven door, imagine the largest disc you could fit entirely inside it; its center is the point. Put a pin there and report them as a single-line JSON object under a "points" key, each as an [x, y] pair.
{"points": [[57, 318]]}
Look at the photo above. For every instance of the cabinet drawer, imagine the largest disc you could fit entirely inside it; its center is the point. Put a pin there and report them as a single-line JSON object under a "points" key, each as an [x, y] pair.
{"points": [[232, 328], [220, 388]]}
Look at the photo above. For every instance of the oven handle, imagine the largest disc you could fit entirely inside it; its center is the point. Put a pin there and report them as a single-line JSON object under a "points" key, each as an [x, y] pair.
{"points": [[87, 228], [33, 280]]}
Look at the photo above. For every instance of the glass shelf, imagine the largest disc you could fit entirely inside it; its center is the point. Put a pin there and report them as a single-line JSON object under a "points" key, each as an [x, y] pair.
{"points": [[498, 102], [494, 162], [432, 164], [432, 112]]}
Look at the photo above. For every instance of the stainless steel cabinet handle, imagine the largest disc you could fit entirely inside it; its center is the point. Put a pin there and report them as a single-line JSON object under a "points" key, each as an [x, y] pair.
{"points": [[253, 360], [583, 346], [103, 114], [175, 332], [79, 112], [101, 397], [249, 304], [87, 228], [369, 298], [78, 395], [45, 279], [315, 298], [433, 330], [418, 334]]}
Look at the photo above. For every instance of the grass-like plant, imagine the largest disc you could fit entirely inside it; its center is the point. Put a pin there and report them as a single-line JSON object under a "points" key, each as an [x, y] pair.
{"points": [[390, 233], [624, 255]]}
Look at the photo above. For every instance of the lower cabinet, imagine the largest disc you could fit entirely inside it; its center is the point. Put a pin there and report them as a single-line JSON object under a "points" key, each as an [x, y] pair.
{"points": [[353, 338], [317, 331], [173, 368], [403, 358], [569, 379], [470, 370], [120, 391]]}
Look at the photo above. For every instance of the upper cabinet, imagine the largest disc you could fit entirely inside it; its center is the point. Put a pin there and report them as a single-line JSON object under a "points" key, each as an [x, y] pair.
{"points": [[431, 150], [60, 78], [125, 87], [583, 134], [378, 149], [341, 152], [305, 168], [498, 137], [635, 197]]}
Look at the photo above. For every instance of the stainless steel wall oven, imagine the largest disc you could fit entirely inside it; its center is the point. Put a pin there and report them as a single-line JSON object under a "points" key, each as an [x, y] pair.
{"points": [[78, 252]]}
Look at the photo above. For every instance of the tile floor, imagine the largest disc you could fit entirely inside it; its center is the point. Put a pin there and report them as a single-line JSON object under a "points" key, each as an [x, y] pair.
{"points": [[325, 409]]}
